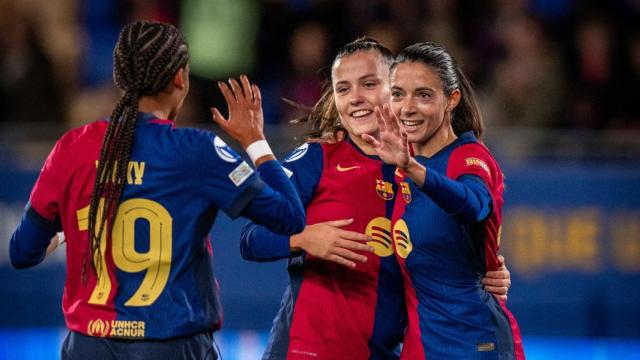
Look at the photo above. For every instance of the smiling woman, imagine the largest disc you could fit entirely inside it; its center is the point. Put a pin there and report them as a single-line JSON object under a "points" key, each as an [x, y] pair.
{"points": [[361, 307], [450, 230]]}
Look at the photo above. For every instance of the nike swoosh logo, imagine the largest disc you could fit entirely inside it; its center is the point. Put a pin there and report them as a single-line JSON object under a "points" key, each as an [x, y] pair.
{"points": [[343, 169], [399, 173]]}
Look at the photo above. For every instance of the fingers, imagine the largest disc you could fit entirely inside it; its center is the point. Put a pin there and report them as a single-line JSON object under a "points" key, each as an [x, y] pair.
{"points": [[355, 245], [219, 119], [340, 223], [352, 235], [342, 261], [237, 89], [380, 119], [390, 121], [247, 89], [350, 255], [496, 290], [370, 140], [501, 264], [497, 274], [506, 283], [229, 97], [257, 96], [502, 297]]}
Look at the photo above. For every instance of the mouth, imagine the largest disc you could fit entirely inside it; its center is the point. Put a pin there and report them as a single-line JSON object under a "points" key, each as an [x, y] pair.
{"points": [[411, 125], [361, 113]]}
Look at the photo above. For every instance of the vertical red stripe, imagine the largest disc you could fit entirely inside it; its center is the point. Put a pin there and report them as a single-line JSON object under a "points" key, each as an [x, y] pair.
{"points": [[515, 330], [412, 347]]}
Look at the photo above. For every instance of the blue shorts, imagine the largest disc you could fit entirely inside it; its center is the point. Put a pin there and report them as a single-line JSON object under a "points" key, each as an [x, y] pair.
{"points": [[78, 346]]}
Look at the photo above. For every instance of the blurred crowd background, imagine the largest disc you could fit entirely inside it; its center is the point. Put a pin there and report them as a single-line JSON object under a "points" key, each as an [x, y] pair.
{"points": [[562, 64], [559, 86]]}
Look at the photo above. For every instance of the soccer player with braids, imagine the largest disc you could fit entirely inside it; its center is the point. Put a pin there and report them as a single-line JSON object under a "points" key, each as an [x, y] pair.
{"points": [[136, 198], [345, 299]]}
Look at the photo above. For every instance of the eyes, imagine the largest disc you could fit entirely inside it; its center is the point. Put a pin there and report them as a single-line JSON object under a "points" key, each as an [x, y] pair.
{"points": [[343, 89], [420, 94]]}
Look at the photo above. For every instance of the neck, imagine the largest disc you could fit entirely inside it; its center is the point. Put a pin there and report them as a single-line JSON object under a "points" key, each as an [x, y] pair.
{"points": [[158, 106], [438, 141]]}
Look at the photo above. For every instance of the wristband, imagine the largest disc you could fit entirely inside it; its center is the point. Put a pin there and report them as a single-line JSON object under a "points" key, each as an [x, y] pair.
{"points": [[258, 149]]}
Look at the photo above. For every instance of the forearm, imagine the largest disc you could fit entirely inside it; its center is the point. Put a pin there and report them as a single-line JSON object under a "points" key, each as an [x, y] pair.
{"points": [[29, 242], [466, 198], [277, 201], [259, 244]]}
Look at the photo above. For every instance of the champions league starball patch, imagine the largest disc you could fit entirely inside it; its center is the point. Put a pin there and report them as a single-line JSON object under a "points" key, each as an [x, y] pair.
{"points": [[297, 153], [224, 151]]}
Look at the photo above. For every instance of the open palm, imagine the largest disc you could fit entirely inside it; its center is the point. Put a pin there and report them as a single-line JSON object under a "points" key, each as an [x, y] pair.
{"points": [[392, 147]]}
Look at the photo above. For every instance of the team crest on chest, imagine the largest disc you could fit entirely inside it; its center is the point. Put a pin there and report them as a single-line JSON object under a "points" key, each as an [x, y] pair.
{"points": [[406, 191], [384, 189]]}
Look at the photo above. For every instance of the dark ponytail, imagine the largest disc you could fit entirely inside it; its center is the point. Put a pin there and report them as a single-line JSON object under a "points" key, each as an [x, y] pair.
{"points": [[323, 118], [466, 116], [146, 58]]}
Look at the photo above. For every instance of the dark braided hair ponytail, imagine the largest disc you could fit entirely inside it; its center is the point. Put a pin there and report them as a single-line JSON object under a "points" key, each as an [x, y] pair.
{"points": [[323, 118], [146, 58]]}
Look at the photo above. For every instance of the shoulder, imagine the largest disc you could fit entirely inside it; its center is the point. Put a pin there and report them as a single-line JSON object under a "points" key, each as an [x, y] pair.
{"points": [[473, 158]]}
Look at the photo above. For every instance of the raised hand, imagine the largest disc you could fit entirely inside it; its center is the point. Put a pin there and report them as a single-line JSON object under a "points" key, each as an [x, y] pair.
{"points": [[498, 282], [328, 241], [246, 121], [392, 147]]}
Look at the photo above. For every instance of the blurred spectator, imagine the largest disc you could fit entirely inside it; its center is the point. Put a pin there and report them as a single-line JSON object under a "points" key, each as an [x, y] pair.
{"points": [[29, 90], [308, 52], [527, 88], [590, 102]]}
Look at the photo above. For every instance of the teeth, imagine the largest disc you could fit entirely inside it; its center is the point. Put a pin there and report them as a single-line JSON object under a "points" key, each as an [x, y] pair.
{"points": [[412, 122], [361, 113]]}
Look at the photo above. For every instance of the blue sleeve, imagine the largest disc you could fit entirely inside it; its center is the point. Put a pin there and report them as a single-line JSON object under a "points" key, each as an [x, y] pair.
{"points": [[466, 198], [232, 185], [277, 206], [304, 165], [28, 244]]}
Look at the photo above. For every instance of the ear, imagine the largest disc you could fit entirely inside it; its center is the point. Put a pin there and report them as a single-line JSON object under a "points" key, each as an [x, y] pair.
{"points": [[179, 80], [453, 100]]}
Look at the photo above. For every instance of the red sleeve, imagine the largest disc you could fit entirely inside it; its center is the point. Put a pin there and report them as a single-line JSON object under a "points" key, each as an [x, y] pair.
{"points": [[474, 159], [44, 196]]}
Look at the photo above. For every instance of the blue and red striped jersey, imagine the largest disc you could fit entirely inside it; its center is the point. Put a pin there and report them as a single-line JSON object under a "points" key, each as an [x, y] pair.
{"points": [[444, 254], [158, 281], [330, 311]]}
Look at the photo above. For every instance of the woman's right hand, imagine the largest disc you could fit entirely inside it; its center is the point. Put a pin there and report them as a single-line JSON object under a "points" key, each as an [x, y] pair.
{"points": [[328, 241], [246, 121]]}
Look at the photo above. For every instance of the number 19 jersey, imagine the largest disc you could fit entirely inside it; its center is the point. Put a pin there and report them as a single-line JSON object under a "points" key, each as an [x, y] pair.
{"points": [[157, 280]]}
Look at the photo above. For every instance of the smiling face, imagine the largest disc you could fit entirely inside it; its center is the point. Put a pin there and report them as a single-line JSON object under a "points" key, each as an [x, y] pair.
{"points": [[360, 83], [419, 101]]}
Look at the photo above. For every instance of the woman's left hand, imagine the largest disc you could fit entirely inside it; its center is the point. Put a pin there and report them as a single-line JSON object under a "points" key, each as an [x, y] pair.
{"points": [[498, 282], [393, 147]]}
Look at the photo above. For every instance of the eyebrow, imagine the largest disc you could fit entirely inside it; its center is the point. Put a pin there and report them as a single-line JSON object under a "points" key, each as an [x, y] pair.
{"points": [[363, 77]]}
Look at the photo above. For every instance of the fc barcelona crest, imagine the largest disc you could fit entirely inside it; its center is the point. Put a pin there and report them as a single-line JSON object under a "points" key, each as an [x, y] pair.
{"points": [[406, 191], [384, 189]]}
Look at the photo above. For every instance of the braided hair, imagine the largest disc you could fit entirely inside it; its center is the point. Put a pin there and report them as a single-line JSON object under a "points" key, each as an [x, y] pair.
{"points": [[146, 58], [323, 117]]}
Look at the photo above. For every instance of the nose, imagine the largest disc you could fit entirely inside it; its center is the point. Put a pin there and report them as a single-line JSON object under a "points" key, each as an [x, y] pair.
{"points": [[356, 97], [409, 106]]}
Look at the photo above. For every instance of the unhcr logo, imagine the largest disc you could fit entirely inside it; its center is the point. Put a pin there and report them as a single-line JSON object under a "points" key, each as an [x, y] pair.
{"points": [[98, 327]]}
